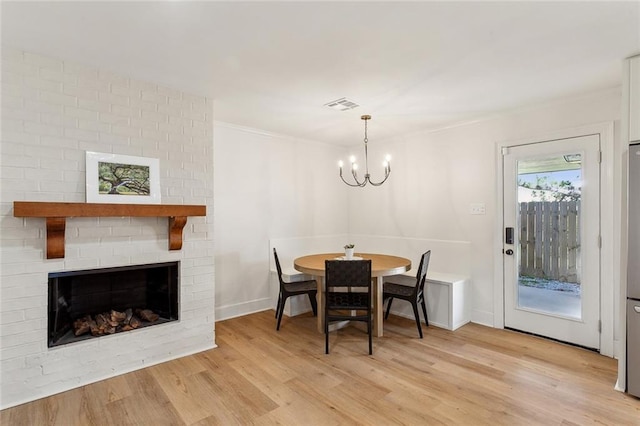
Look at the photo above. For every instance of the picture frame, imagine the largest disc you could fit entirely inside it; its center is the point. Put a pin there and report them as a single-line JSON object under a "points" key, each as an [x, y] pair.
{"points": [[122, 179]]}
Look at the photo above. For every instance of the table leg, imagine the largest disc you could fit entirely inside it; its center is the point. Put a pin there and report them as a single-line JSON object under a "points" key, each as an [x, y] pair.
{"points": [[320, 300], [378, 316]]}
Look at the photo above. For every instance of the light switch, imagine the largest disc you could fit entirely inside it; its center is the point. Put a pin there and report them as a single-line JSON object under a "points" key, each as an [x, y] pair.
{"points": [[477, 208]]}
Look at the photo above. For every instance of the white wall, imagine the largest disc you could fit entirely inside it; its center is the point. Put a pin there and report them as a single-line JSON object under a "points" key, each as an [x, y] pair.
{"points": [[52, 112], [437, 175], [267, 187]]}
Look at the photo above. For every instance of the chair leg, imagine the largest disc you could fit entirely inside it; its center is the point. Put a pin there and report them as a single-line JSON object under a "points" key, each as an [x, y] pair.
{"points": [[415, 312], [278, 304], [281, 312], [314, 303], [369, 330], [424, 311], [326, 336], [388, 308]]}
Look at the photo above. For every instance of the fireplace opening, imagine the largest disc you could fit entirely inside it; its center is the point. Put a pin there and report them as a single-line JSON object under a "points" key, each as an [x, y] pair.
{"points": [[91, 303]]}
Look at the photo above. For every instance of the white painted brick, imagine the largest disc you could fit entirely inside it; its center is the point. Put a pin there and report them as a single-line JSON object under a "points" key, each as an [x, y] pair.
{"points": [[93, 126], [83, 114], [22, 303], [56, 119], [155, 116], [113, 78], [154, 135], [43, 174], [126, 111], [80, 92], [144, 124], [57, 75], [121, 120], [143, 105], [59, 142], [154, 97], [113, 99], [19, 114], [80, 70], [34, 313], [59, 164], [44, 107], [37, 83], [174, 129], [143, 85], [25, 93], [170, 110], [9, 352], [56, 187], [57, 98], [107, 139], [21, 68], [125, 131], [11, 102], [125, 91], [12, 316], [94, 105], [7, 330], [12, 78], [127, 241], [81, 134], [42, 129]]}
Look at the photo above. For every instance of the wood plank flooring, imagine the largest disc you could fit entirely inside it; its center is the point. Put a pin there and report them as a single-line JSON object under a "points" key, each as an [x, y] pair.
{"points": [[473, 376]]}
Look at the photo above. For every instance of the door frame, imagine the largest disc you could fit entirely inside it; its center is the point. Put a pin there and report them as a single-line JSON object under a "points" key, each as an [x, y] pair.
{"points": [[609, 275]]}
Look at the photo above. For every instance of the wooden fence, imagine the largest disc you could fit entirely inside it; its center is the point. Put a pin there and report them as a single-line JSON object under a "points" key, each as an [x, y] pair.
{"points": [[550, 240]]}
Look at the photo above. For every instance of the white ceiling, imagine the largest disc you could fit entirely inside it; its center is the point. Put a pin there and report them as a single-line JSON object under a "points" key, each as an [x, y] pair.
{"points": [[411, 65]]}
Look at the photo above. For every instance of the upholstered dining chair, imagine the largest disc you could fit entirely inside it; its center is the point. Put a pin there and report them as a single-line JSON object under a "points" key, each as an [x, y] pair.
{"points": [[348, 295], [412, 294], [308, 287]]}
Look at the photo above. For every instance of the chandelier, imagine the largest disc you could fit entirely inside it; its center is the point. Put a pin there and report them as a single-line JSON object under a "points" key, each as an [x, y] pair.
{"points": [[354, 166]]}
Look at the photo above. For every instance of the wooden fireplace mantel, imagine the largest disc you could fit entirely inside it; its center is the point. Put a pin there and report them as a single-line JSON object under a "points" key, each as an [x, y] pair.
{"points": [[56, 215]]}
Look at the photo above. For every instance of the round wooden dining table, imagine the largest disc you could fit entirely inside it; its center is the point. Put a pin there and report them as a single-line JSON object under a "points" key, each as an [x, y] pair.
{"points": [[382, 265]]}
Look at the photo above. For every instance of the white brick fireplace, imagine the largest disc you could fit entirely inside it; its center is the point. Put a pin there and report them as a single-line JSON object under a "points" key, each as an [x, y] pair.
{"points": [[52, 113]]}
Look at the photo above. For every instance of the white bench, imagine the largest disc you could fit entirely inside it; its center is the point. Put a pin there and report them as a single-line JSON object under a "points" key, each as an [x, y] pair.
{"points": [[448, 299]]}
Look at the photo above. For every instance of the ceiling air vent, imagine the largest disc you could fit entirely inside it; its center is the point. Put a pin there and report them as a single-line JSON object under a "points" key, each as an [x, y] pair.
{"points": [[342, 104]]}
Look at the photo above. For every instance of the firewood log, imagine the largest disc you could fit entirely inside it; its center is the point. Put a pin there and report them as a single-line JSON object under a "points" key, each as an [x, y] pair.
{"points": [[82, 325], [147, 315], [117, 317], [135, 322], [128, 315]]}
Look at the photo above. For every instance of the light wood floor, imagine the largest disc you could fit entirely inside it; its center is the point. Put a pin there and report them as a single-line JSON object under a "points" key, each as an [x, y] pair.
{"points": [[473, 376]]}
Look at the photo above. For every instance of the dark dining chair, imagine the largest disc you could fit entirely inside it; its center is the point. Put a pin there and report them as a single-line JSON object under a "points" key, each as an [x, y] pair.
{"points": [[308, 287], [348, 295], [412, 294]]}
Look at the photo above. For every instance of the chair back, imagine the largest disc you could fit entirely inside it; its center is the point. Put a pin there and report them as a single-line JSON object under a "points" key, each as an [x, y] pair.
{"points": [[421, 276], [278, 267], [349, 274]]}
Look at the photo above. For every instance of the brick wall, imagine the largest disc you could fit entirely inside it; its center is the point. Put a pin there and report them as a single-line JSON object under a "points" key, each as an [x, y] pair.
{"points": [[52, 112]]}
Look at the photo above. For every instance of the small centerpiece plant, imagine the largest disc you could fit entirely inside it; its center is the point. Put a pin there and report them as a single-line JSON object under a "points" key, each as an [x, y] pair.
{"points": [[348, 251]]}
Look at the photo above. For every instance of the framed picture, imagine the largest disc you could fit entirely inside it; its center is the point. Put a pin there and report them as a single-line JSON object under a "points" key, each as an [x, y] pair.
{"points": [[123, 179]]}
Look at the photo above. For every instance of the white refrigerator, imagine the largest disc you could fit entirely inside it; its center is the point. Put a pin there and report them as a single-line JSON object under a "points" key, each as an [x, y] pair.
{"points": [[633, 274]]}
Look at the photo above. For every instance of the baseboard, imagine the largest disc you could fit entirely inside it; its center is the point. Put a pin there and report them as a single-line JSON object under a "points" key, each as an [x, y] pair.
{"points": [[245, 308], [482, 317]]}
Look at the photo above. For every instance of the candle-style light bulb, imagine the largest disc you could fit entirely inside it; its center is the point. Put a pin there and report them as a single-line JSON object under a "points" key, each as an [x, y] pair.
{"points": [[352, 159], [340, 163], [388, 158], [354, 166]]}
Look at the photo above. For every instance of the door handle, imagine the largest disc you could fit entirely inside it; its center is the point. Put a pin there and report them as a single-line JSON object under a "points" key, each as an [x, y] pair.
{"points": [[508, 252], [637, 309]]}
